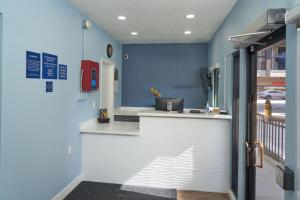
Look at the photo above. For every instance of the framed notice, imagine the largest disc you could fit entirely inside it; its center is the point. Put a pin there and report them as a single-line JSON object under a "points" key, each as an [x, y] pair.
{"points": [[49, 66], [63, 72], [49, 86], [33, 65]]}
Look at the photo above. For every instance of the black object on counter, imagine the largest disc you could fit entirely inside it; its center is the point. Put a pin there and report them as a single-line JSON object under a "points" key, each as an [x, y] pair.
{"points": [[161, 104], [223, 112], [126, 118], [195, 111], [103, 120], [103, 116]]}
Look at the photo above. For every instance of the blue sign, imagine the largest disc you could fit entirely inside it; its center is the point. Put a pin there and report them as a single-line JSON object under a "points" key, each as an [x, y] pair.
{"points": [[49, 86], [33, 65], [63, 72], [49, 66]]}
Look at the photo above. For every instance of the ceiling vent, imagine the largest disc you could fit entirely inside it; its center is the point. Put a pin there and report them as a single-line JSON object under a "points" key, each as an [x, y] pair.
{"points": [[269, 21]]}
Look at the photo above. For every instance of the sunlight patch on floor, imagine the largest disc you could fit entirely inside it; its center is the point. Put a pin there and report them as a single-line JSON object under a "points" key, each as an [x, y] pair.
{"points": [[165, 171]]}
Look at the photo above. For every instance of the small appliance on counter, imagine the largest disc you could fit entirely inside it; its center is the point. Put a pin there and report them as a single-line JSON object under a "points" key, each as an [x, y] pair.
{"points": [[196, 111], [169, 104], [126, 118], [223, 112], [214, 110], [103, 116]]}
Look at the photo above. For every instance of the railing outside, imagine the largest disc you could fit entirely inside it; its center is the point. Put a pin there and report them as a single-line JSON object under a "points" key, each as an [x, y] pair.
{"points": [[272, 134]]}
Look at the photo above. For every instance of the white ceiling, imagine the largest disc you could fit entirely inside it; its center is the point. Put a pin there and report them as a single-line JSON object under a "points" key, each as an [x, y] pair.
{"points": [[157, 21]]}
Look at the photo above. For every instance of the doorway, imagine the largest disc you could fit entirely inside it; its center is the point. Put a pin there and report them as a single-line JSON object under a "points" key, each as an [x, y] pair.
{"points": [[266, 119], [107, 97]]}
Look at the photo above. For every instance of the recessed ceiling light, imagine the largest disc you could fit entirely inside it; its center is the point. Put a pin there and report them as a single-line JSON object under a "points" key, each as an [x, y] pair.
{"points": [[190, 16], [134, 33], [188, 32], [121, 18]]}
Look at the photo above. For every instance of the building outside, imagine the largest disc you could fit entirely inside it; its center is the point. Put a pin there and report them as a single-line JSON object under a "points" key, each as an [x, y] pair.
{"points": [[271, 68]]}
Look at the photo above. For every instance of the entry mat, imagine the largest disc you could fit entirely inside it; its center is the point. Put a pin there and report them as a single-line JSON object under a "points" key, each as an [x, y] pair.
{"points": [[103, 191]]}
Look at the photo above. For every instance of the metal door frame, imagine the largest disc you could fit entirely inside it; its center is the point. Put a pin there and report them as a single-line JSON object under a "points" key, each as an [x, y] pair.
{"points": [[251, 103]]}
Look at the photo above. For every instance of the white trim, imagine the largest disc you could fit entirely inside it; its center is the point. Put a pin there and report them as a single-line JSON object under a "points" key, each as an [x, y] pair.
{"points": [[107, 62], [293, 15], [215, 66], [231, 195], [68, 189], [112, 107], [298, 116]]}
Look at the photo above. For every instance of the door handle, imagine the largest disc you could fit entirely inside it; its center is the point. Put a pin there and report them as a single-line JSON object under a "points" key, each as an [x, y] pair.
{"points": [[261, 149], [251, 153], [248, 154]]}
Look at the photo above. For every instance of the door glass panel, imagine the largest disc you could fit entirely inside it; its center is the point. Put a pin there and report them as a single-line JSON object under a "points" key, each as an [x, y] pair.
{"points": [[271, 101]]}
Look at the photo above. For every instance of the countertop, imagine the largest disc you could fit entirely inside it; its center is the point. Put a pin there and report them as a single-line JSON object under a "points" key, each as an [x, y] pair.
{"points": [[131, 111], [132, 128], [185, 114], [151, 112], [112, 128]]}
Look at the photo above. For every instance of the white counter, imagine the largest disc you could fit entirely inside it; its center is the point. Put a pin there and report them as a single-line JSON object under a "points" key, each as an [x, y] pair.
{"points": [[132, 128], [170, 150]]}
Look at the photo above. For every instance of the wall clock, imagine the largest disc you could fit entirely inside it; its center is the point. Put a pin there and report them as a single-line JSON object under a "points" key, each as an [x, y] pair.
{"points": [[109, 50]]}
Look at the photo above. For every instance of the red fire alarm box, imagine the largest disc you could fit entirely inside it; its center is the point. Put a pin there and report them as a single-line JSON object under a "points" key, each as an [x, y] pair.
{"points": [[89, 76]]}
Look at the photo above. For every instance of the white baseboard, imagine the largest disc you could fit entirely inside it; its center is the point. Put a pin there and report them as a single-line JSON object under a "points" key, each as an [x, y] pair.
{"points": [[62, 194], [231, 195]]}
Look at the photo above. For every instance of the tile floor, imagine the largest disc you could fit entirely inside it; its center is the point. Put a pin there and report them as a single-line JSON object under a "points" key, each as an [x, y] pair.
{"points": [[266, 186]]}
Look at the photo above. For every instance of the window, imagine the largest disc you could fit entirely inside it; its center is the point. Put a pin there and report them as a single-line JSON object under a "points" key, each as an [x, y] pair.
{"points": [[281, 58], [271, 58]]}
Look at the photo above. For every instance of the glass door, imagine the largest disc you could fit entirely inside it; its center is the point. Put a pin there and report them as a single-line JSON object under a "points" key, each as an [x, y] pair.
{"points": [[265, 145]]}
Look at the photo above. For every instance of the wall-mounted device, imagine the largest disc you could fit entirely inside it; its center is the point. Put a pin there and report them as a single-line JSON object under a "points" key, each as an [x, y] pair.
{"points": [[285, 178], [89, 76], [268, 22], [109, 50], [125, 56], [86, 24]]}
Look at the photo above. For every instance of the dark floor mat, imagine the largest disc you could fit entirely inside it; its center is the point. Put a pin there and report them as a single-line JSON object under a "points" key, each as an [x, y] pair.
{"points": [[104, 191]]}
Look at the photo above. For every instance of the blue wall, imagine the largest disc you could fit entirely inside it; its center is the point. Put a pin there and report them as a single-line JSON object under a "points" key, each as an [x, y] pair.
{"points": [[38, 127], [174, 69], [241, 16]]}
